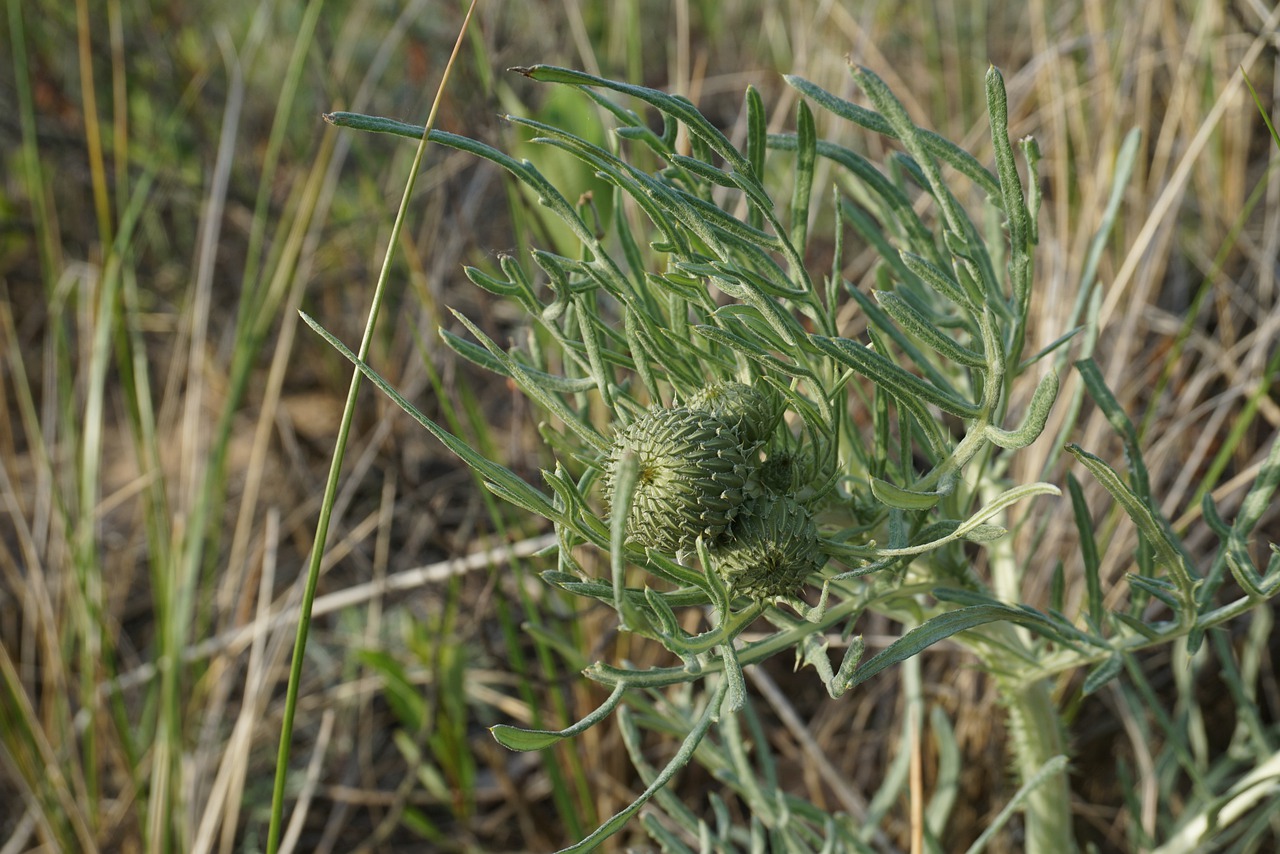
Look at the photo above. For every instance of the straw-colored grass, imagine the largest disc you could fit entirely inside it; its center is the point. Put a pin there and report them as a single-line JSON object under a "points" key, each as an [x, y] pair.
{"points": [[170, 198]]}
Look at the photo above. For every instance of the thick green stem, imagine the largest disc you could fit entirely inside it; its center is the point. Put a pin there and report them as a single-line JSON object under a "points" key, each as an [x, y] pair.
{"points": [[1036, 736], [1035, 724]]}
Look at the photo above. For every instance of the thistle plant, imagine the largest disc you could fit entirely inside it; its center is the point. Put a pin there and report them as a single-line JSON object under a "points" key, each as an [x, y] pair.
{"points": [[740, 436]]}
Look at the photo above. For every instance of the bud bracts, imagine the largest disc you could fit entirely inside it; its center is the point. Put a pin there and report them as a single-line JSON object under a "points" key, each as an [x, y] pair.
{"points": [[693, 477], [786, 471], [773, 548], [753, 411]]}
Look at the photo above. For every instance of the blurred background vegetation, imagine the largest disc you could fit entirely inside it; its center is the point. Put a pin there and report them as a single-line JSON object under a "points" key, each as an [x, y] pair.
{"points": [[169, 197]]}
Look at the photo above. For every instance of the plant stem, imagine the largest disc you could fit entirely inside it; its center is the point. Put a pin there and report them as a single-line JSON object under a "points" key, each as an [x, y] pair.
{"points": [[1036, 730]]}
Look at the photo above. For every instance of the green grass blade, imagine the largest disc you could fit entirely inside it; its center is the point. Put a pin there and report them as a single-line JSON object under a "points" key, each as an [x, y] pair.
{"points": [[331, 483]]}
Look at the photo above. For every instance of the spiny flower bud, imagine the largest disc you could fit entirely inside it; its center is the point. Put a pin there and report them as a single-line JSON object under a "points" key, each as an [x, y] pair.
{"points": [[787, 471], [693, 476], [753, 411], [773, 548]]}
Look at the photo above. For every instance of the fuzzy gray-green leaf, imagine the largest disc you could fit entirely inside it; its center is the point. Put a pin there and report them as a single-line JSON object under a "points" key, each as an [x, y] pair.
{"points": [[901, 384], [936, 145], [515, 738], [1168, 552], [1037, 416], [1102, 674], [512, 486], [919, 326], [903, 499]]}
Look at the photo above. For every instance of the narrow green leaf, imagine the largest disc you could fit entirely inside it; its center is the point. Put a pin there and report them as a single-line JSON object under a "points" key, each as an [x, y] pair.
{"points": [[757, 143], [1015, 206], [806, 154], [1096, 386], [1102, 674], [704, 170], [1157, 588], [936, 145], [1088, 551], [520, 374], [880, 323], [1058, 587], [1266, 116], [887, 200], [750, 349], [916, 142], [624, 116], [926, 332], [938, 279], [671, 105], [377, 124], [736, 696], [976, 522], [1033, 423], [929, 633], [666, 617], [512, 486], [966, 596], [417, 821], [588, 320], [405, 698], [786, 326], [1168, 552], [667, 840], [1259, 498], [515, 738], [902, 385], [1048, 349], [678, 762], [492, 284], [478, 355], [645, 355], [1148, 632], [1031, 154], [903, 499], [985, 533], [625, 480], [1243, 570]]}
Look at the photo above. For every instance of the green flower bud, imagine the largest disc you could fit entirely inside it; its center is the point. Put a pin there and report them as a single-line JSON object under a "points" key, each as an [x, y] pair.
{"points": [[753, 411], [693, 477], [786, 472], [772, 549]]}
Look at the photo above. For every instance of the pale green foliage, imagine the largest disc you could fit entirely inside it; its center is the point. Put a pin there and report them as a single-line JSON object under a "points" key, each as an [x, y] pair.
{"points": [[697, 279]]}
